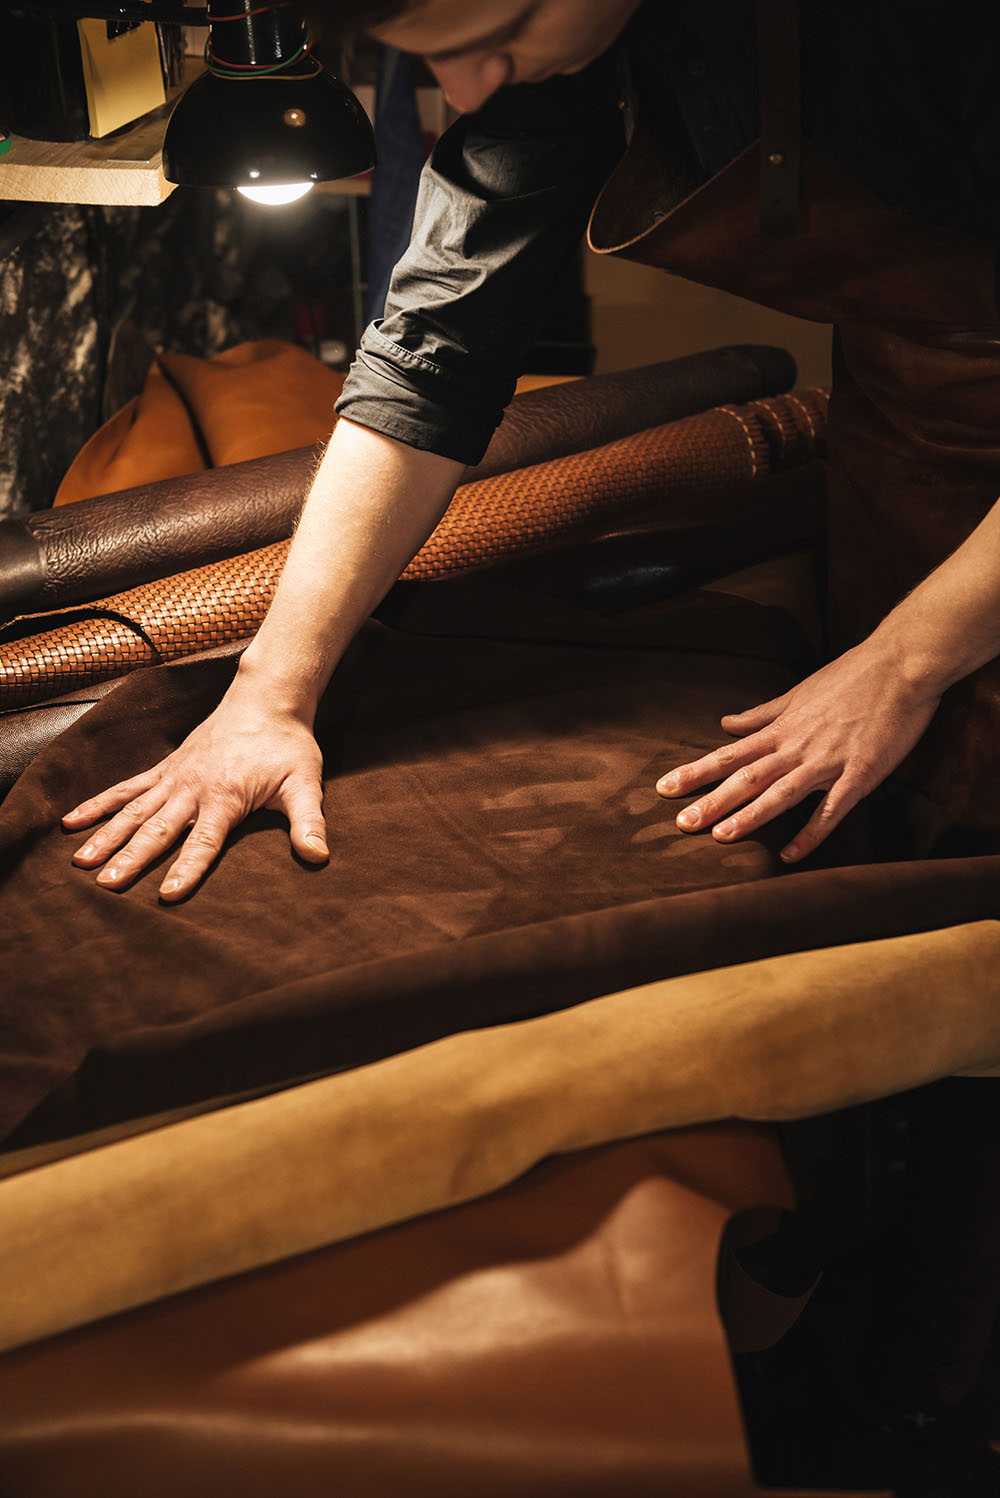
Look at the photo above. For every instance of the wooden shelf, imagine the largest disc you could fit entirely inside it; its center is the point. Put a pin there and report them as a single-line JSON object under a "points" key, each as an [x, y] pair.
{"points": [[123, 170]]}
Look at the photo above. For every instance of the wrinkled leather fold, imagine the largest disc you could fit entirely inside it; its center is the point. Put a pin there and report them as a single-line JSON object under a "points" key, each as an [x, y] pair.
{"points": [[565, 419], [79, 551], [198, 1201]]}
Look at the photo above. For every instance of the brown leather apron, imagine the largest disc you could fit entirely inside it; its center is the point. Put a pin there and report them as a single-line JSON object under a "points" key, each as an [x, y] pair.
{"points": [[913, 466], [914, 434]]}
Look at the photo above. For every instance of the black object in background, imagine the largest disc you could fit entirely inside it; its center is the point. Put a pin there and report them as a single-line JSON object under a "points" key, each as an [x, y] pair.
{"points": [[563, 345], [402, 151], [42, 90]]}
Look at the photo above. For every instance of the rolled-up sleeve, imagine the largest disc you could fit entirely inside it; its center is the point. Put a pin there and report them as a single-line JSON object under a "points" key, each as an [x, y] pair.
{"points": [[502, 206]]}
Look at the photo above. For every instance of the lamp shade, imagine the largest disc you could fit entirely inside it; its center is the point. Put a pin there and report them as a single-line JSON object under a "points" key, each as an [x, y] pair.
{"points": [[239, 133]]}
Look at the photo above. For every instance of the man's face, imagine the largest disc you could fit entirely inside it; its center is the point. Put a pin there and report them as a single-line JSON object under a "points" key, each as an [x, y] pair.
{"points": [[474, 49]]}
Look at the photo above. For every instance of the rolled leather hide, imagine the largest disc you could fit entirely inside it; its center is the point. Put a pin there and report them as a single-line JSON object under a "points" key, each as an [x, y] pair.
{"points": [[671, 474], [59, 556], [610, 575], [782, 1038]]}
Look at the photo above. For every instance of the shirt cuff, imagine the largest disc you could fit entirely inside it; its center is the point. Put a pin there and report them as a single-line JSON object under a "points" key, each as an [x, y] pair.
{"points": [[411, 398]]}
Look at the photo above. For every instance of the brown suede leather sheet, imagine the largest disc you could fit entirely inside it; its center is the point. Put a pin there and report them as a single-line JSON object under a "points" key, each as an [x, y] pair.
{"points": [[498, 851]]}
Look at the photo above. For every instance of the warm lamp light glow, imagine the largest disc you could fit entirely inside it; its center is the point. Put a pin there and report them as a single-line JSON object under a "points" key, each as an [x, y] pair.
{"points": [[277, 193]]}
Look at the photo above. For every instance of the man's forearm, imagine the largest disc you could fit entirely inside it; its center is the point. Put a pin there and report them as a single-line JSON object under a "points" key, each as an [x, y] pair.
{"points": [[950, 624], [372, 505]]}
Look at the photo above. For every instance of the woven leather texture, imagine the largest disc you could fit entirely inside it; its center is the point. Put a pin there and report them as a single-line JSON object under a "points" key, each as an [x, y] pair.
{"points": [[489, 521]]}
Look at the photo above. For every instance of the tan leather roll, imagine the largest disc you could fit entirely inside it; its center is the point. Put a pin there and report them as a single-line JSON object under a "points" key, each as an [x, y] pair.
{"points": [[198, 1201]]}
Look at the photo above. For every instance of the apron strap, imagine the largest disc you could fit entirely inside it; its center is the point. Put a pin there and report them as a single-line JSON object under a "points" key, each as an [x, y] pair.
{"points": [[779, 71]]}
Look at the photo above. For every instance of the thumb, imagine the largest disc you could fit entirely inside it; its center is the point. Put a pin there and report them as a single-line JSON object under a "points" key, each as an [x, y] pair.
{"points": [[302, 803], [755, 718]]}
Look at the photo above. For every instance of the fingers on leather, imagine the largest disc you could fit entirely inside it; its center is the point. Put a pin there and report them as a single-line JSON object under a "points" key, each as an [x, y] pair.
{"points": [[755, 718], [830, 812], [123, 826], [302, 803], [749, 781], [718, 765], [784, 793], [156, 835], [202, 847], [115, 797]]}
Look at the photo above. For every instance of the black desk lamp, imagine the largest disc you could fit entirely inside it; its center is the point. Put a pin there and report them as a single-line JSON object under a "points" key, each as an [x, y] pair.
{"points": [[267, 117]]}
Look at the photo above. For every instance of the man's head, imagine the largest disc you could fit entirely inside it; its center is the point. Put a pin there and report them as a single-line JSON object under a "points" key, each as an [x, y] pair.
{"points": [[475, 49]]}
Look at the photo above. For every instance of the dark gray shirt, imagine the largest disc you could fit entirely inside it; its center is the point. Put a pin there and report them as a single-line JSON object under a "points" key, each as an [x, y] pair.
{"points": [[906, 94]]}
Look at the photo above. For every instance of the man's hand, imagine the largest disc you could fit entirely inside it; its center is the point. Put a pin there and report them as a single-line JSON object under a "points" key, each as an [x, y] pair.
{"points": [[841, 731], [844, 729], [373, 503], [245, 756]]}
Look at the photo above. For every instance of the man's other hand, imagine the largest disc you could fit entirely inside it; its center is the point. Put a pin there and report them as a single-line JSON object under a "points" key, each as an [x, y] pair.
{"points": [[841, 731]]}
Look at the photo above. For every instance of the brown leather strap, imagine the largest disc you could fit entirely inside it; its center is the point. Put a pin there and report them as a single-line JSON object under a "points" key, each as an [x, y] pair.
{"points": [[779, 71]]}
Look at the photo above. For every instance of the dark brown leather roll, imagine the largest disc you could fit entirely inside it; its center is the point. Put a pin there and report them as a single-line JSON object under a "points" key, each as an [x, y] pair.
{"points": [[610, 575], [563, 419], [83, 550]]}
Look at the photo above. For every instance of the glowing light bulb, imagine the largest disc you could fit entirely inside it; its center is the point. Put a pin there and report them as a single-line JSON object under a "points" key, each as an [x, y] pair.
{"points": [[277, 193]]}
